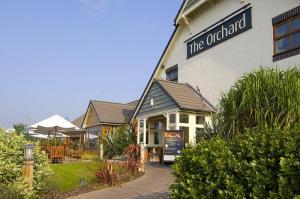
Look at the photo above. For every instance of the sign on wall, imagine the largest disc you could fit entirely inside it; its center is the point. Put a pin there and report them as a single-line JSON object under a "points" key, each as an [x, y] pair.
{"points": [[226, 30]]}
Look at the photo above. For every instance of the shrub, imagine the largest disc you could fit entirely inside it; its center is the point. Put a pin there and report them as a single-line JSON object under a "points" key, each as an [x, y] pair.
{"points": [[132, 153], [114, 144], [109, 146], [11, 161], [86, 155], [109, 174], [124, 137], [265, 97], [262, 163]]}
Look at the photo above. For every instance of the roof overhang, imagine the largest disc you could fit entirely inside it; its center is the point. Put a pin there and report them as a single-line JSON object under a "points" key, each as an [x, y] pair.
{"points": [[185, 12]]}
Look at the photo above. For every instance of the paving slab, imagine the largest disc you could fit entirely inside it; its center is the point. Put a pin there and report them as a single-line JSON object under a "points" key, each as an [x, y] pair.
{"points": [[153, 185]]}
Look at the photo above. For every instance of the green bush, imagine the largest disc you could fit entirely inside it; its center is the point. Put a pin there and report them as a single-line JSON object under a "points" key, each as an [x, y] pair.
{"points": [[265, 97], [114, 144], [262, 163], [11, 161]]}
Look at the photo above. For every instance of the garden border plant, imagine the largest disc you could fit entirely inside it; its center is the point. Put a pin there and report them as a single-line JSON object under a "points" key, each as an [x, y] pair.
{"points": [[252, 147], [11, 161]]}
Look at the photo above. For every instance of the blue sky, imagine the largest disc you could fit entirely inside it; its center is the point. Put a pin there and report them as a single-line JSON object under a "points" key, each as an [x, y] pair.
{"points": [[56, 55]]}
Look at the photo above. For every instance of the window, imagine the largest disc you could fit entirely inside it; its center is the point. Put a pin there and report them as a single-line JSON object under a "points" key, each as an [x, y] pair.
{"points": [[199, 134], [286, 34], [172, 73], [186, 133], [141, 136], [147, 137], [141, 124], [184, 118], [156, 138], [172, 118], [200, 119]]}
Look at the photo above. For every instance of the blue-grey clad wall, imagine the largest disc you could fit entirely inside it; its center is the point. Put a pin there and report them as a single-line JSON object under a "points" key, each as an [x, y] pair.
{"points": [[162, 101]]}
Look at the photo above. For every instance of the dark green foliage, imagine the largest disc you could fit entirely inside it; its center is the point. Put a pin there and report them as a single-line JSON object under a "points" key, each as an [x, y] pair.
{"points": [[124, 138], [115, 143], [262, 163], [20, 128], [265, 97], [109, 146]]}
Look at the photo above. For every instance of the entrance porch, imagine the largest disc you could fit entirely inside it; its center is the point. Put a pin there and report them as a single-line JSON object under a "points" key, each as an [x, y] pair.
{"points": [[151, 129]]}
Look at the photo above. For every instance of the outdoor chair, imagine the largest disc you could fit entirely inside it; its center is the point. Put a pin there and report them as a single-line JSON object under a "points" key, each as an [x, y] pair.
{"points": [[57, 152]]}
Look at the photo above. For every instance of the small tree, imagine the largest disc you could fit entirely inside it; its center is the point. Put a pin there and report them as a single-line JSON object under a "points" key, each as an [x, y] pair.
{"points": [[20, 128]]}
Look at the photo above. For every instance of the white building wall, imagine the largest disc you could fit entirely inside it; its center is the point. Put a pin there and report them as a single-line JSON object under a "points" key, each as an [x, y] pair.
{"points": [[216, 69]]}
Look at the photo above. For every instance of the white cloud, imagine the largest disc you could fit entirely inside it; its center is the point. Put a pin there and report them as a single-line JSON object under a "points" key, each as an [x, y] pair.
{"points": [[93, 6]]}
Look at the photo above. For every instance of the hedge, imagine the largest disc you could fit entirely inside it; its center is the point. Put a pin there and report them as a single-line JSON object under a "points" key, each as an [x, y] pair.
{"points": [[262, 163]]}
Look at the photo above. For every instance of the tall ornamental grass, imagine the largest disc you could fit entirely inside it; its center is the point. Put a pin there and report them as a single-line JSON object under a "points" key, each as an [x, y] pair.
{"points": [[266, 97]]}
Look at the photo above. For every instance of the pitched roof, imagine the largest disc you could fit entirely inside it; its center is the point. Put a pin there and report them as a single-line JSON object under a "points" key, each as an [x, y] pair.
{"points": [[78, 121], [110, 112], [133, 103], [185, 96]]}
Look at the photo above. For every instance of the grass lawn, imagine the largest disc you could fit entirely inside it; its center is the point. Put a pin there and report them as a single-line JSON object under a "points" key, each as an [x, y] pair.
{"points": [[67, 176]]}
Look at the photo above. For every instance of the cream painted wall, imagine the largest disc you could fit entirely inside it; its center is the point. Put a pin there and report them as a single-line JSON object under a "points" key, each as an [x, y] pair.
{"points": [[216, 69]]}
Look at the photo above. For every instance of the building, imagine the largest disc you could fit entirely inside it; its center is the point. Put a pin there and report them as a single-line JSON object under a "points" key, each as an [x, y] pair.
{"points": [[76, 135], [170, 105], [104, 117], [214, 43]]}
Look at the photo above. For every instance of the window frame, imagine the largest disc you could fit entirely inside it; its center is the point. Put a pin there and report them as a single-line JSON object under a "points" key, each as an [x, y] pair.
{"points": [[182, 117], [279, 20], [171, 70], [203, 120], [288, 35]]}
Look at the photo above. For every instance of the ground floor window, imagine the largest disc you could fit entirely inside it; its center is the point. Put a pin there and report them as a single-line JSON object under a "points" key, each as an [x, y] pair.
{"points": [[92, 136], [147, 137], [186, 134], [156, 138], [141, 134], [199, 134]]}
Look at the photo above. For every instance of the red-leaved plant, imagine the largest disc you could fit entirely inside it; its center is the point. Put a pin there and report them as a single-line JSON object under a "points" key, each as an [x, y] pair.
{"points": [[132, 153], [109, 174]]}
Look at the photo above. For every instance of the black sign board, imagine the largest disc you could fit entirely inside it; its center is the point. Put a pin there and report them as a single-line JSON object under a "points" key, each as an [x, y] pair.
{"points": [[226, 30]]}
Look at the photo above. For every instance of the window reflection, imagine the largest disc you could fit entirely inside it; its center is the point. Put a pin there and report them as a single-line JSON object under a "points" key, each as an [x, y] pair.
{"points": [[282, 45], [282, 30]]}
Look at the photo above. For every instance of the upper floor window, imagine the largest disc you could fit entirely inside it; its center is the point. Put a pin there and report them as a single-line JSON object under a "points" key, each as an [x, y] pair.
{"points": [[286, 34], [172, 73]]}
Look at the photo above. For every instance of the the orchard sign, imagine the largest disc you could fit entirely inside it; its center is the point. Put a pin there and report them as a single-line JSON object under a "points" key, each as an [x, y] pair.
{"points": [[226, 30]]}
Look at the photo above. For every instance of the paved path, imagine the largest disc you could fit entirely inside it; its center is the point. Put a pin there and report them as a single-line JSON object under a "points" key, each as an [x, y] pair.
{"points": [[153, 184]]}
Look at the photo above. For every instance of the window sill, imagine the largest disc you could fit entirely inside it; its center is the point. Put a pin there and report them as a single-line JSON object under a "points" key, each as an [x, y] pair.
{"points": [[287, 54]]}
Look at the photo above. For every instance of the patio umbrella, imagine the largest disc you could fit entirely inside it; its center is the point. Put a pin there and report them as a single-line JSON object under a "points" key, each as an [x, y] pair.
{"points": [[43, 136], [37, 135], [53, 125]]}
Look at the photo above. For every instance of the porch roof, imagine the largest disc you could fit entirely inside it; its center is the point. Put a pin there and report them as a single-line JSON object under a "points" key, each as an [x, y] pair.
{"points": [[185, 96], [166, 95]]}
